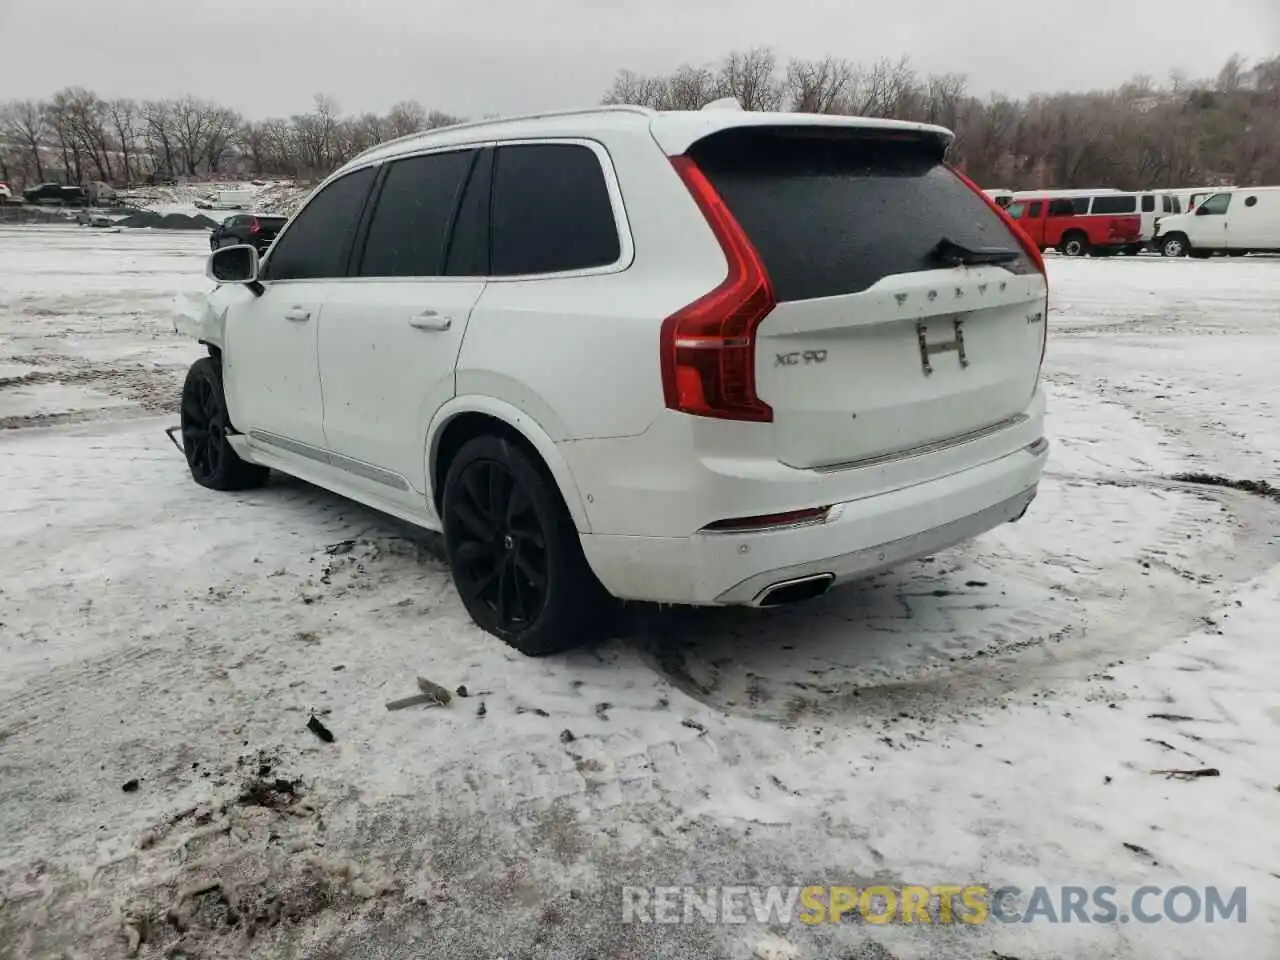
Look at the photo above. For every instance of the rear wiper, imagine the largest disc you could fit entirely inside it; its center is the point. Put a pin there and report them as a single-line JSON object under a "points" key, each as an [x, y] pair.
{"points": [[957, 254]]}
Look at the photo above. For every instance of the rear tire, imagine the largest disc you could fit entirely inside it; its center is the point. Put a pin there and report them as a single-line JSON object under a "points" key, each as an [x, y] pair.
{"points": [[516, 557], [1074, 245], [205, 426]]}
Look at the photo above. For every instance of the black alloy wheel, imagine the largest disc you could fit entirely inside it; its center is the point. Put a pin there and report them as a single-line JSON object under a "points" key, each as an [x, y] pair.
{"points": [[515, 553], [203, 431], [205, 425], [499, 548]]}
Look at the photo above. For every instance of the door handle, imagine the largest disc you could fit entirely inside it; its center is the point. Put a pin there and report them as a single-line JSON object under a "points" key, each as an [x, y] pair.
{"points": [[297, 313], [430, 320]]}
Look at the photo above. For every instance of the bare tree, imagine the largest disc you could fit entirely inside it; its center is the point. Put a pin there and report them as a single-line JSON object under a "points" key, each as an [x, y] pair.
{"points": [[125, 117], [406, 117], [819, 86], [160, 132], [751, 77], [25, 122]]}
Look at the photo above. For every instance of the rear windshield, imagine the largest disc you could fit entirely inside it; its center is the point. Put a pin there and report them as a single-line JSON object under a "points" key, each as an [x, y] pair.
{"points": [[834, 212]]}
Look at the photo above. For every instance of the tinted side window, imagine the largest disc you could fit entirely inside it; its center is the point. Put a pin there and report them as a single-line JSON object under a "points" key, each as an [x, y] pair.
{"points": [[1036, 208], [1015, 209], [1114, 205], [551, 211], [1080, 205], [469, 244], [414, 211], [319, 238], [1148, 204]]}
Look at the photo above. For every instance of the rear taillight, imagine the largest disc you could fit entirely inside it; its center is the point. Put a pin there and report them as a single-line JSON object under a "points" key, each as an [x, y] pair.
{"points": [[1028, 245], [708, 349], [254, 226]]}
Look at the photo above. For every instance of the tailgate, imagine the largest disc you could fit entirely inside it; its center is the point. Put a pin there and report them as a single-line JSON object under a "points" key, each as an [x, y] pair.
{"points": [[909, 312], [915, 360]]}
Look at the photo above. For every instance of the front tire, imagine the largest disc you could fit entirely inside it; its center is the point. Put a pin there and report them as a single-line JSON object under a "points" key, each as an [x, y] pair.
{"points": [[515, 554], [205, 425], [1174, 245]]}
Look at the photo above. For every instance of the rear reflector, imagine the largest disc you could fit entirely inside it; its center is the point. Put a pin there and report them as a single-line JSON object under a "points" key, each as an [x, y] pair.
{"points": [[769, 521], [708, 349]]}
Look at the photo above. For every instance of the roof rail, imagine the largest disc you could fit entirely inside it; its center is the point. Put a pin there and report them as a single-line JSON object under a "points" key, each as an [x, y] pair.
{"points": [[494, 121]]}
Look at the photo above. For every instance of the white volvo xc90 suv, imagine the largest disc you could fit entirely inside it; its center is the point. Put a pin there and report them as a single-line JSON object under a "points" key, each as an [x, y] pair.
{"points": [[709, 357]]}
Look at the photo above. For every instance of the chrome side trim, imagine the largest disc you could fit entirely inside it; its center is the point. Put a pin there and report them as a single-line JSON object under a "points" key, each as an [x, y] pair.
{"points": [[927, 448], [358, 467]]}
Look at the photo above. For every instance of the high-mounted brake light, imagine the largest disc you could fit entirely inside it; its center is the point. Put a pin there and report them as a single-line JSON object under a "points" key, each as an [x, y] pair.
{"points": [[708, 349]]}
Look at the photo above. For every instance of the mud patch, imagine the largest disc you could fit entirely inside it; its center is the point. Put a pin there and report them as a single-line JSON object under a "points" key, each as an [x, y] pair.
{"points": [[211, 882], [1259, 488], [151, 389]]}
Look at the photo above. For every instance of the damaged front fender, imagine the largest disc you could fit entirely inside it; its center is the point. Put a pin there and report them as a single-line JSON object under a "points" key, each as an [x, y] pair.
{"points": [[203, 316]]}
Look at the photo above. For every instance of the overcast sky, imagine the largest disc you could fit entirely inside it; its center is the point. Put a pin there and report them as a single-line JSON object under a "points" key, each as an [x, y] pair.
{"points": [[472, 57]]}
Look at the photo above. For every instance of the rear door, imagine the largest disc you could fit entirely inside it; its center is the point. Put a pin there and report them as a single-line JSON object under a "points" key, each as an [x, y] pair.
{"points": [[391, 333], [879, 346]]}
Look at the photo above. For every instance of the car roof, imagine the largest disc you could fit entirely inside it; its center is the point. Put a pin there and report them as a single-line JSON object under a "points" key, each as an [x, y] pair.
{"points": [[675, 131]]}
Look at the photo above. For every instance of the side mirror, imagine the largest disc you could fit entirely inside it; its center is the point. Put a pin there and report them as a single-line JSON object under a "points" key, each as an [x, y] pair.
{"points": [[238, 264]]}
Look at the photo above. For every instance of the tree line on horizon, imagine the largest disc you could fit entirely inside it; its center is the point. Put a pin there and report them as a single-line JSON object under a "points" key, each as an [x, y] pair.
{"points": [[1143, 134]]}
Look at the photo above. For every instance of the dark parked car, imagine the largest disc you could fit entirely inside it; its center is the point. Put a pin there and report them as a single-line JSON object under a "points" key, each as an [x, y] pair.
{"points": [[246, 228], [57, 193]]}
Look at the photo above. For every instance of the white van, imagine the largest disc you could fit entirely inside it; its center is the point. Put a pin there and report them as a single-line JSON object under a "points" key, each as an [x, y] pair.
{"points": [[1192, 197], [227, 200], [1236, 221]]}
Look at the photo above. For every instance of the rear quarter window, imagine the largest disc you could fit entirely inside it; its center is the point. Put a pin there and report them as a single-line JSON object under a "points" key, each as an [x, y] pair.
{"points": [[1115, 205], [833, 212], [551, 211]]}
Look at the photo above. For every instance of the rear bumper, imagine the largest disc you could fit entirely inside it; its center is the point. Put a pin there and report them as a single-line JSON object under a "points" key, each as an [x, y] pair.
{"points": [[860, 538]]}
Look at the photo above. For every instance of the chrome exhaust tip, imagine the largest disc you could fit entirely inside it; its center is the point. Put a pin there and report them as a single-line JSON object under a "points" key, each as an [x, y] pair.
{"points": [[793, 591]]}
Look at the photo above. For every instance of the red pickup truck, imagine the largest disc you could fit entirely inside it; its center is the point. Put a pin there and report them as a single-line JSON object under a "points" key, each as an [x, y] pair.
{"points": [[1067, 225]]}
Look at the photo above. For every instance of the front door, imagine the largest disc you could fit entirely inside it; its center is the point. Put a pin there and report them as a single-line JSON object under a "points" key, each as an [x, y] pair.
{"points": [[392, 333], [1030, 217], [271, 368], [1209, 229]]}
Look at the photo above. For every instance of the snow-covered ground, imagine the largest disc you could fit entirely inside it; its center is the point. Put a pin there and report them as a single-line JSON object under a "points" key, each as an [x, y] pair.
{"points": [[991, 716]]}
